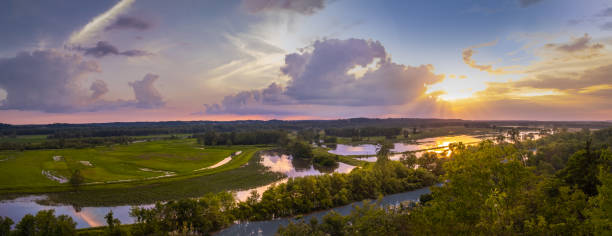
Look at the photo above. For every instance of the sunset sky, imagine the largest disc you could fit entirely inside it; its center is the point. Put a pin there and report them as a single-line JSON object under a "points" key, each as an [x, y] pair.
{"points": [[77, 61]]}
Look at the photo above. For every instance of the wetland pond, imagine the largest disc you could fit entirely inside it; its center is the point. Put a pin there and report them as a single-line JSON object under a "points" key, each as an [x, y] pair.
{"points": [[436, 144]]}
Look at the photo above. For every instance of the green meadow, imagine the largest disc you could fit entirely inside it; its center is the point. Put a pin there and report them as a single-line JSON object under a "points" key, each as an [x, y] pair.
{"points": [[120, 164]]}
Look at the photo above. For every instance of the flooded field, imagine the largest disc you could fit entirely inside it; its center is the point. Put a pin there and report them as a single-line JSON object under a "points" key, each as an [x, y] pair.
{"points": [[292, 167], [94, 216]]}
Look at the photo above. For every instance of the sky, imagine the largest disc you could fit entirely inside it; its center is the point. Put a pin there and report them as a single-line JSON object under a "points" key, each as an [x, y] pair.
{"points": [[74, 61]]}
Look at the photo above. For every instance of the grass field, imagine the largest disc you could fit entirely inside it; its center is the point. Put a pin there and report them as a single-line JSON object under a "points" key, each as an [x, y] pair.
{"points": [[244, 172], [137, 161]]}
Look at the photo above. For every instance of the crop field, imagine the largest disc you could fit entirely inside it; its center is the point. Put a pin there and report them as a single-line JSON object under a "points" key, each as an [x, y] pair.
{"points": [[115, 164]]}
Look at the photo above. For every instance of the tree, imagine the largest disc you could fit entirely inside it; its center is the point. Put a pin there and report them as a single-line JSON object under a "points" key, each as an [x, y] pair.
{"points": [[113, 225], [409, 160], [582, 169], [76, 179], [26, 226], [5, 226], [383, 152]]}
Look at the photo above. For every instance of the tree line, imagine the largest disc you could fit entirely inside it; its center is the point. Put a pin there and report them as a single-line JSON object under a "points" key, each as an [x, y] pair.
{"points": [[364, 132], [212, 138]]}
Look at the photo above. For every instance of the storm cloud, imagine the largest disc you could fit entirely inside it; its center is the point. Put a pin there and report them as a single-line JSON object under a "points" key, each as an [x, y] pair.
{"points": [[54, 81], [46, 80], [321, 76], [307, 7]]}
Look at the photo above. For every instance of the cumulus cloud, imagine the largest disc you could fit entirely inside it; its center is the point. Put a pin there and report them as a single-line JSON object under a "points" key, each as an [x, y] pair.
{"points": [[469, 52], [98, 88], [128, 22], [576, 45], [526, 3], [320, 76], [147, 96], [53, 81], [103, 48], [306, 7]]}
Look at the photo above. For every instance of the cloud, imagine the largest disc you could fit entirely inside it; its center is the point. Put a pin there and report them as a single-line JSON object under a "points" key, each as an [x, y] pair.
{"points": [[53, 81], [526, 3], [306, 7], [253, 102], [98, 88], [606, 26], [320, 76], [606, 12], [103, 48], [570, 83], [45, 80], [576, 45], [147, 96], [96, 26], [469, 52], [128, 22]]}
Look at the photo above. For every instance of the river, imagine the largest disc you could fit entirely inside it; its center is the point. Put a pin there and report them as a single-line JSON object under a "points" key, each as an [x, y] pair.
{"points": [[270, 227]]}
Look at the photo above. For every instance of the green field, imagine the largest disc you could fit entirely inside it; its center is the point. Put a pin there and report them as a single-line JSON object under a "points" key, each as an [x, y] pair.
{"points": [[134, 162]]}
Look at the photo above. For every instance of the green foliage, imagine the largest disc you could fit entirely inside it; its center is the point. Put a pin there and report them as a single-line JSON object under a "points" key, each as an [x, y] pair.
{"points": [[45, 223], [5, 226], [76, 179], [488, 190], [300, 150], [113, 225], [188, 216], [582, 170], [303, 195], [600, 211], [369, 219], [212, 138]]}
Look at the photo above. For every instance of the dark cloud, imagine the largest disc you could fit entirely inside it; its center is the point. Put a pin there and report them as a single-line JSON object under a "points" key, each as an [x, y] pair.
{"points": [[606, 26], [253, 102], [321, 77], [45, 80], [577, 44], [306, 7], [103, 48], [98, 88], [606, 12], [526, 3], [145, 92], [128, 22], [53, 81]]}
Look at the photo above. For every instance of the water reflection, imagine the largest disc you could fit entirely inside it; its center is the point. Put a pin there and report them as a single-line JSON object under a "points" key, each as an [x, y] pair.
{"points": [[292, 167], [421, 144], [436, 144], [84, 217]]}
